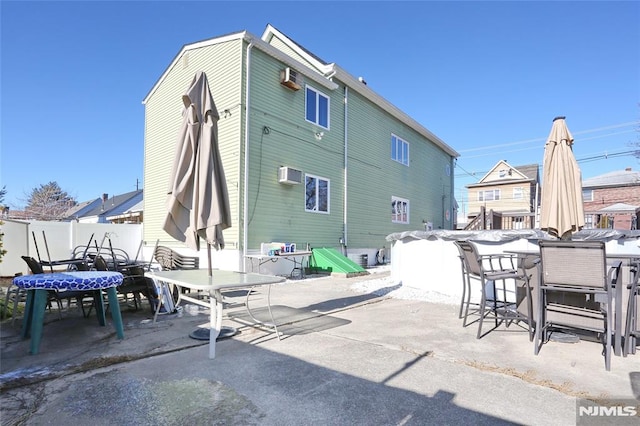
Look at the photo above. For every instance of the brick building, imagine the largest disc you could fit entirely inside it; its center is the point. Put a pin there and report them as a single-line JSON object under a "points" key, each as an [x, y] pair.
{"points": [[612, 200]]}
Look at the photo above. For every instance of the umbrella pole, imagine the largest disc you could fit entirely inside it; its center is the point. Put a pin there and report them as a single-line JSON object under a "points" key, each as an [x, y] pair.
{"points": [[209, 259]]}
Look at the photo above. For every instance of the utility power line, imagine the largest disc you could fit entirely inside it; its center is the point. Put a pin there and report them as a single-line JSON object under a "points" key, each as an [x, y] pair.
{"points": [[604, 156], [543, 139]]}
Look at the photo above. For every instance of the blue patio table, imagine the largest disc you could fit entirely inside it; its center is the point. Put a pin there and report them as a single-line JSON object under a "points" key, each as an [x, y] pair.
{"points": [[37, 286]]}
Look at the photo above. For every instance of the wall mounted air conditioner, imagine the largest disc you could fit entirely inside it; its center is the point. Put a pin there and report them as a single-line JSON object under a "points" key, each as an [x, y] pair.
{"points": [[291, 79], [289, 176]]}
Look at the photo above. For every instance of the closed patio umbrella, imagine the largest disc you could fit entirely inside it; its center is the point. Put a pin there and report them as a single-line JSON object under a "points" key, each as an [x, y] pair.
{"points": [[562, 211], [198, 201]]}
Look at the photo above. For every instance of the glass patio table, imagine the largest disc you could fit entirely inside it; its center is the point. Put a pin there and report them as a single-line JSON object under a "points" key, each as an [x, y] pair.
{"points": [[199, 279]]}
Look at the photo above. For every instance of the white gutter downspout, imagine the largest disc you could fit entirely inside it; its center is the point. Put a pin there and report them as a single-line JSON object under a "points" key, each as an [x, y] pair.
{"points": [[245, 224], [346, 148]]}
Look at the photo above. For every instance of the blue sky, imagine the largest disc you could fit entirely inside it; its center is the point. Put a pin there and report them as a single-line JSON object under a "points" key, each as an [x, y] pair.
{"points": [[486, 77]]}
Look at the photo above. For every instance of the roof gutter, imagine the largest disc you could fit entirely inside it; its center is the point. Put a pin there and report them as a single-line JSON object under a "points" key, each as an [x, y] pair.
{"points": [[346, 172], [365, 91], [245, 196]]}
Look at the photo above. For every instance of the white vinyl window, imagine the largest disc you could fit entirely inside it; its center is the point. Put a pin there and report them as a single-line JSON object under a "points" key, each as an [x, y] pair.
{"points": [[587, 195], [489, 195], [399, 210], [317, 107], [316, 194], [518, 193], [399, 150]]}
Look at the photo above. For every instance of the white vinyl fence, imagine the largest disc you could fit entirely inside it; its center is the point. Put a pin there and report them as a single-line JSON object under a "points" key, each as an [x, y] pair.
{"points": [[62, 238]]}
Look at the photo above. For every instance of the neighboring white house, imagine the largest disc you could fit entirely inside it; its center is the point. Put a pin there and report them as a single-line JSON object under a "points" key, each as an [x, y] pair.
{"points": [[123, 208]]}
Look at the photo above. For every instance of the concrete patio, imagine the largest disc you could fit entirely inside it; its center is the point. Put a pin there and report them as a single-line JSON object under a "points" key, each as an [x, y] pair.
{"points": [[346, 356]]}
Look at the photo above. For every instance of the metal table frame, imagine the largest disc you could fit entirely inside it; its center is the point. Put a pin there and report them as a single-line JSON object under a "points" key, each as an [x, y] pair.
{"points": [[291, 257], [198, 279]]}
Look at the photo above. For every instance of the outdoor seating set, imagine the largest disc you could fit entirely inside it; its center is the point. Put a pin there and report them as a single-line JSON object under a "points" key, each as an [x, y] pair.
{"points": [[104, 257], [571, 287], [98, 273]]}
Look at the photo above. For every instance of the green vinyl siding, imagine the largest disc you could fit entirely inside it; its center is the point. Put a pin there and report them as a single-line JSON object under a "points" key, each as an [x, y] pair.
{"points": [[280, 136], [163, 118], [374, 178]]}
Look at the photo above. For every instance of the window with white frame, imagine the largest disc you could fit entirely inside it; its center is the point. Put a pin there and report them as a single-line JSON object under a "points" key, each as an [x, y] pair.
{"points": [[587, 195], [316, 194], [317, 107], [588, 221], [518, 193], [489, 195], [399, 210], [399, 150]]}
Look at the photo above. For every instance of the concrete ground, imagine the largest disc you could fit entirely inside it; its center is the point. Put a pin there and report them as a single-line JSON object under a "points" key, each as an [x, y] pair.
{"points": [[345, 357]]}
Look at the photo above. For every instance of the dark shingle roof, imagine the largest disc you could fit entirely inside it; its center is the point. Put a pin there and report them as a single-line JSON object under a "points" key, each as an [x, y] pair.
{"points": [[113, 205], [530, 170]]}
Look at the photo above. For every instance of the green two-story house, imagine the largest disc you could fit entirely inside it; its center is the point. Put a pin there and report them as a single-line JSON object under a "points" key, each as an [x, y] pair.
{"points": [[312, 155]]}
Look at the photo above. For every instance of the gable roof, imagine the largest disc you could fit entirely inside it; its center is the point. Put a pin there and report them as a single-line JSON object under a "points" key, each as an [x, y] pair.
{"points": [[270, 31], [625, 177], [333, 70], [80, 209], [528, 173], [322, 73], [619, 208], [127, 212], [118, 204], [312, 74], [531, 171]]}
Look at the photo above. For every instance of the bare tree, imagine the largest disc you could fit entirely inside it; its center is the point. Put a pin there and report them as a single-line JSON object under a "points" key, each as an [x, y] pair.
{"points": [[49, 202], [3, 192]]}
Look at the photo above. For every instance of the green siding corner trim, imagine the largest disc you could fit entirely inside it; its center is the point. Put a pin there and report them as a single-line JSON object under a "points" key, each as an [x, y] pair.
{"points": [[330, 260]]}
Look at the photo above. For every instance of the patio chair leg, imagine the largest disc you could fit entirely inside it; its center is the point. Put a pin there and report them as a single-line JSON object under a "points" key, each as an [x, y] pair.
{"points": [[540, 325], [482, 310], [464, 293], [467, 304]]}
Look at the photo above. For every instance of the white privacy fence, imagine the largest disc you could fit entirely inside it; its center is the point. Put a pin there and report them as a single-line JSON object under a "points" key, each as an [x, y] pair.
{"points": [[62, 238]]}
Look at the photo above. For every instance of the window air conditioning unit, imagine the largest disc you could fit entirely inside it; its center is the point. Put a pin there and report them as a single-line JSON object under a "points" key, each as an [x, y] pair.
{"points": [[291, 79], [289, 176]]}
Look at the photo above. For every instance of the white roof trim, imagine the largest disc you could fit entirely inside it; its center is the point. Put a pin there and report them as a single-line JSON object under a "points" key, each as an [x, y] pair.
{"points": [[297, 65], [271, 31], [353, 83], [365, 91], [494, 168], [309, 73]]}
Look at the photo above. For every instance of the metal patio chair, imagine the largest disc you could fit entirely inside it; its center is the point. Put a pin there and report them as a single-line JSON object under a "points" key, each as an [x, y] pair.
{"points": [[486, 269], [576, 291]]}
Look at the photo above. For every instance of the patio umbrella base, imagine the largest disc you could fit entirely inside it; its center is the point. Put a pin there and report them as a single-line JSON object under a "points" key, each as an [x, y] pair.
{"points": [[203, 333]]}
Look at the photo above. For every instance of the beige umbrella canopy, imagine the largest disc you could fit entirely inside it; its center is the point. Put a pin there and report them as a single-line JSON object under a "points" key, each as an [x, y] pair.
{"points": [[198, 201], [562, 211]]}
